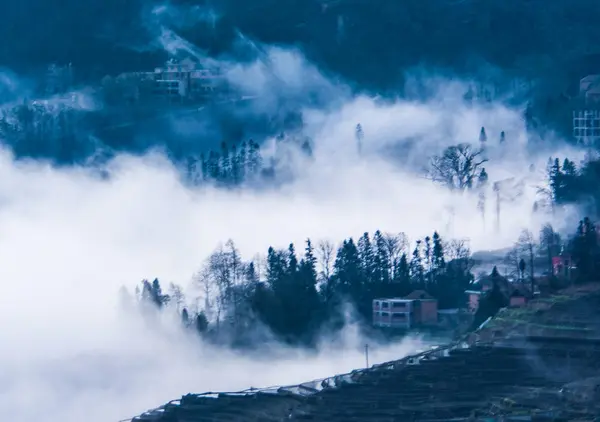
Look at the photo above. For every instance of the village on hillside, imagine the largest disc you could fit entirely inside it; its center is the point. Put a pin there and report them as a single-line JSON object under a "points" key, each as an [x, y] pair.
{"points": [[538, 360]]}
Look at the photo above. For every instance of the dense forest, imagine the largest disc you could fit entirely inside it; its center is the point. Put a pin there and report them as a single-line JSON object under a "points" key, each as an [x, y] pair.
{"points": [[297, 296], [369, 42], [370, 45]]}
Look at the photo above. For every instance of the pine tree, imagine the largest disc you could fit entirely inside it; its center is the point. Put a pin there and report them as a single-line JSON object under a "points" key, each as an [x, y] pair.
{"points": [[483, 143], [307, 295], [192, 170], [152, 293], [402, 276], [417, 271], [383, 264], [235, 166], [482, 182], [367, 259], [254, 158], [213, 166], [276, 268], [347, 272], [292, 261], [243, 161], [585, 250], [569, 181], [225, 164], [201, 323], [308, 266], [157, 294], [428, 254], [359, 135], [204, 168], [482, 137], [251, 276], [438, 252], [555, 180]]}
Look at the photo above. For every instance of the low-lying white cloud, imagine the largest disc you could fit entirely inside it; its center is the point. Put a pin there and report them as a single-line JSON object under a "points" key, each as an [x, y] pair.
{"points": [[69, 239]]}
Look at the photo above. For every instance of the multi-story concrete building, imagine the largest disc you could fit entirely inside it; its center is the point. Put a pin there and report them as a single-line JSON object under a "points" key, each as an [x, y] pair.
{"points": [[586, 116], [185, 81], [586, 126], [176, 82], [393, 313], [418, 308]]}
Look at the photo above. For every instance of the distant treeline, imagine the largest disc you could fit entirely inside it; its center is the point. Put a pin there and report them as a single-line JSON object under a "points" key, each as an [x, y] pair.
{"points": [[345, 36], [229, 167], [51, 129]]}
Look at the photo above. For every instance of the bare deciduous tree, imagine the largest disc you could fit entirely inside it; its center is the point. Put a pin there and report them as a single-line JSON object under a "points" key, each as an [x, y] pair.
{"points": [[222, 277], [458, 167], [232, 255], [526, 244], [396, 244], [458, 254], [177, 296], [511, 260], [205, 281], [325, 258], [457, 249]]}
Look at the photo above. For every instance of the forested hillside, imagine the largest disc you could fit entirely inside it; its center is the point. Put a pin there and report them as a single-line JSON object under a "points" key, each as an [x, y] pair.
{"points": [[367, 41]]}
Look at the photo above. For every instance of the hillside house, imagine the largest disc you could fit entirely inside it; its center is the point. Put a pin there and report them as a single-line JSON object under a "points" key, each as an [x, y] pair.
{"points": [[174, 83], [483, 285], [416, 309], [518, 294], [425, 306]]}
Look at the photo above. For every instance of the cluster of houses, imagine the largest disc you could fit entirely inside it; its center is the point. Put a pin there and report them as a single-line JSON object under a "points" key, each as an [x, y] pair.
{"points": [[176, 82], [419, 309]]}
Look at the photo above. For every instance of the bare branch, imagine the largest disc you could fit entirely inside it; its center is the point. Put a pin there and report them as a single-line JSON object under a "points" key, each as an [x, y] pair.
{"points": [[325, 258], [458, 167]]}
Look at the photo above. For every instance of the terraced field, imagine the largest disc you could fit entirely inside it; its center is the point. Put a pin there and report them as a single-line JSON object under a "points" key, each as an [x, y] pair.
{"points": [[520, 376]]}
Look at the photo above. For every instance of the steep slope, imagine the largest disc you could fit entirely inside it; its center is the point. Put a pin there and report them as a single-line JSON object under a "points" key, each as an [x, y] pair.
{"points": [[520, 374]]}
